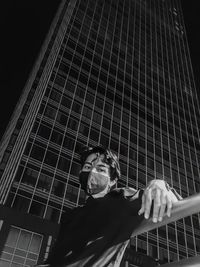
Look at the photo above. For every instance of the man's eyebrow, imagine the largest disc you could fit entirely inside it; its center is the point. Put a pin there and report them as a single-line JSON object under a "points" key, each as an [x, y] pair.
{"points": [[101, 165], [87, 162]]}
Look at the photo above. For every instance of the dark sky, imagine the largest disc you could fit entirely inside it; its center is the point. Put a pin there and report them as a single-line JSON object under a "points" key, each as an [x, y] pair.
{"points": [[24, 25]]}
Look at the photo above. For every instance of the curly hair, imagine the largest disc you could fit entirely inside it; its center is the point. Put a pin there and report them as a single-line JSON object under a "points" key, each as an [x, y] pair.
{"points": [[110, 158]]}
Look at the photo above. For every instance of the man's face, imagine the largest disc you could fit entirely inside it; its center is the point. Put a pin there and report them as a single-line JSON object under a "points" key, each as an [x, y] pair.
{"points": [[96, 174]]}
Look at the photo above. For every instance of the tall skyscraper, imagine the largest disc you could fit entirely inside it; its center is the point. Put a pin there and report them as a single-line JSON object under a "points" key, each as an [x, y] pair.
{"points": [[115, 73]]}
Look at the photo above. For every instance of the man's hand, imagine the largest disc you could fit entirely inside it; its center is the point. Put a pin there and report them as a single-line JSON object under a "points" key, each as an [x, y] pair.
{"points": [[162, 199]]}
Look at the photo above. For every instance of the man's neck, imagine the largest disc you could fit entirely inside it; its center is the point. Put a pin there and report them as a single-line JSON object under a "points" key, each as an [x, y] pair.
{"points": [[100, 194]]}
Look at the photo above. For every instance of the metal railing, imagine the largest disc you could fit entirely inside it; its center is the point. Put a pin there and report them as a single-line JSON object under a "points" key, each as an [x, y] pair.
{"points": [[189, 262], [183, 208]]}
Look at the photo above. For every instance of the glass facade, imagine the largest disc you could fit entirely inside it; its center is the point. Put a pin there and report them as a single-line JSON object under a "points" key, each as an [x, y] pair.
{"points": [[115, 73], [21, 248]]}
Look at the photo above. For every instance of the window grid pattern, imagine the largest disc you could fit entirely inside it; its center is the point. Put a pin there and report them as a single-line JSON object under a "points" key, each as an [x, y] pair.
{"points": [[185, 70], [22, 123], [128, 169], [163, 170], [105, 122], [22, 248], [118, 80], [177, 257], [187, 182]]}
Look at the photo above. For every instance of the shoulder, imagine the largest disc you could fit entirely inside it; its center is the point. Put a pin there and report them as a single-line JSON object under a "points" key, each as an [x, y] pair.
{"points": [[69, 214], [126, 192], [129, 191]]}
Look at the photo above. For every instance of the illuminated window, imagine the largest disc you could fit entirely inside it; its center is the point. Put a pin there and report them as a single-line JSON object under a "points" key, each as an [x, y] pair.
{"points": [[21, 249]]}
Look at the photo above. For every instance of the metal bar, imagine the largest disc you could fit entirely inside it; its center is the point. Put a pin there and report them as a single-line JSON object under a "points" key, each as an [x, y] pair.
{"points": [[189, 262], [181, 209]]}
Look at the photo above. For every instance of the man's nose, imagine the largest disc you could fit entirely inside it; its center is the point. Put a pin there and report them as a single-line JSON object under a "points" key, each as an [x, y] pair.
{"points": [[93, 168]]}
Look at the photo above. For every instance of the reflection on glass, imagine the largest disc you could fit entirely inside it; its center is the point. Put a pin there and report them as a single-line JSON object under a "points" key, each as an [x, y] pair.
{"points": [[21, 247]]}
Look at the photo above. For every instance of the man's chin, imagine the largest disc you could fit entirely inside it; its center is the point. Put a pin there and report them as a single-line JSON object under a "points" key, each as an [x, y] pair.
{"points": [[94, 191]]}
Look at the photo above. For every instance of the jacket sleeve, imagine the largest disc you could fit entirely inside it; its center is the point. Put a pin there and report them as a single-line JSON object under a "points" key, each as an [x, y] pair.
{"points": [[132, 193]]}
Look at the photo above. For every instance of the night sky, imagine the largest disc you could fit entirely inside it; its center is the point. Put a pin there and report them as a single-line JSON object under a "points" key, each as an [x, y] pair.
{"points": [[24, 25]]}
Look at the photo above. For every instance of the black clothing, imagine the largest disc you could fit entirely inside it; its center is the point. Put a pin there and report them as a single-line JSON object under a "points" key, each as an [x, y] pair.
{"points": [[97, 233]]}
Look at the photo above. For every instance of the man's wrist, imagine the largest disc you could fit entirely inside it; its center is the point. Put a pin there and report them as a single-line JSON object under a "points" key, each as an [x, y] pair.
{"points": [[167, 186]]}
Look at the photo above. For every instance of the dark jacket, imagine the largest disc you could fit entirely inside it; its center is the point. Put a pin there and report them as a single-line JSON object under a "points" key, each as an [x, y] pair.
{"points": [[98, 233]]}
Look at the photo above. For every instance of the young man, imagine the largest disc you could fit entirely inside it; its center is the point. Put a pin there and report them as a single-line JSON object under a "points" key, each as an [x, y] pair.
{"points": [[98, 233]]}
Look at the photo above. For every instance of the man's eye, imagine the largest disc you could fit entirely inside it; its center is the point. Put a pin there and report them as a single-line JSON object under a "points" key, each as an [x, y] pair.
{"points": [[100, 170], [87, 167]]}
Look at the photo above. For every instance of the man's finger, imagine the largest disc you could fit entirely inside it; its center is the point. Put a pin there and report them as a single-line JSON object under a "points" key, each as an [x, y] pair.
{"points": [[148, 203], [169, 206], [162, 207], [157, 204], [141, 211]]}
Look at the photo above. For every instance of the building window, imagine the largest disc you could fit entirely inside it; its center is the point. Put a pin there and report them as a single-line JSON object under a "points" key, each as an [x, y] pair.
{"points": [[141, 159], [90, 98], [5, 157], [76, 107], [44, 131], [84, 129], [115, 128], [87, 112], [75, 169], [70, 87], [30, 177], [97, 117], [37, 152], [58, 188], [19, 173], [80, 92], [44, 182], [61, 118], [56, 137], [63, 164], [73, 124], [50, 112], [94, 135], [51, 158], [104, 140], [66, 101], [56, 96], [71, 193], [22, 248], [37, 209], [21, 203], [106, 123], [68, 143], [52, 214], [59, 81]]}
